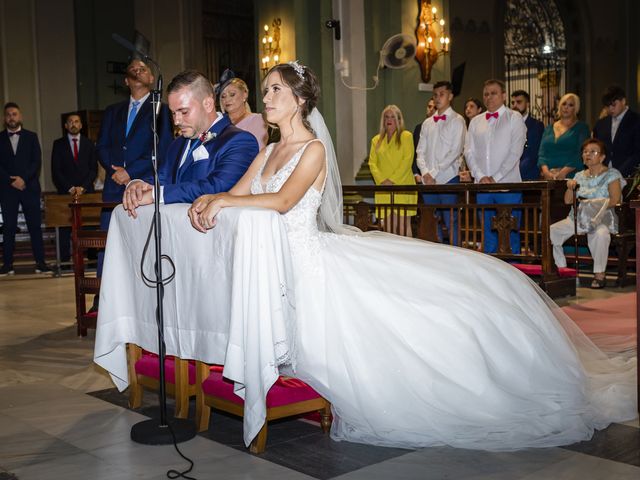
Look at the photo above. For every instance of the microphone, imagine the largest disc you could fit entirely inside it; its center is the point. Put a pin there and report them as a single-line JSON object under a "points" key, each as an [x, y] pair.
{"points": [[159, 89]]}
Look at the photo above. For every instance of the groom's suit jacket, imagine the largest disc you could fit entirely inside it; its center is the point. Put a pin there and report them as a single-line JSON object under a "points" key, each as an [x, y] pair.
{"points": [[132, 151], [212, 167], [624, 151]]}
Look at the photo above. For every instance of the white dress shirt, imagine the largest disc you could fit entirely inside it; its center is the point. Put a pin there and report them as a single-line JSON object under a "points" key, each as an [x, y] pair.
{"points": [[440, 146], [71, 137], [140, 103], [14, 139], [493, 147], [615, 123]]}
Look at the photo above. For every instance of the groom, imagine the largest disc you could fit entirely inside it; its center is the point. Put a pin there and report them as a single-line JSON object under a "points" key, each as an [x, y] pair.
{"points": [[210, 156]]}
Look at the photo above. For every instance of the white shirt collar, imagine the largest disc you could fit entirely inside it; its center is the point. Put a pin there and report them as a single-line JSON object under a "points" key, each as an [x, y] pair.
{"points": [[140, 100], [71, 137], [619, 117]]}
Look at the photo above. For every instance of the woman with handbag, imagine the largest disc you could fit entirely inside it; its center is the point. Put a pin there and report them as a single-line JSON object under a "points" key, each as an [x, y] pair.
{"points": [[600, 189]]}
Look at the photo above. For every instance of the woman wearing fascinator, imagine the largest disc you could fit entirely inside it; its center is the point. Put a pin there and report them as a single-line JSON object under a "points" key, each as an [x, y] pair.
{"points": [[384, 334], [233, 94]]}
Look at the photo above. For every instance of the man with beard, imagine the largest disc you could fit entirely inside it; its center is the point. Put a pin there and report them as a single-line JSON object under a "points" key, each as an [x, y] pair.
{"points": [[20, 161], [529, 169], [73, 166], [210, 156]]}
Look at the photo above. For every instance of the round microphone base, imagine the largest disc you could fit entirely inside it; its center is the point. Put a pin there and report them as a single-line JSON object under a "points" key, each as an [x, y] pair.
{"points": [[150, 432]]}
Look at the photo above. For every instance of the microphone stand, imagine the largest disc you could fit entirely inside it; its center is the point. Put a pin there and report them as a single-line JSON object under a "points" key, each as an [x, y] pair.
{"points": [[160, 431]]}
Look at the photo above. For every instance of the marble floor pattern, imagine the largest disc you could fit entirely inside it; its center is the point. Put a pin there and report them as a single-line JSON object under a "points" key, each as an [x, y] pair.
{"points": [[60, 418]]}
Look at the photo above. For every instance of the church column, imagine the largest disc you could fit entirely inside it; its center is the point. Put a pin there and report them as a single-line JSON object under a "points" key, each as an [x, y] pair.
{"points": [[351, 106]]}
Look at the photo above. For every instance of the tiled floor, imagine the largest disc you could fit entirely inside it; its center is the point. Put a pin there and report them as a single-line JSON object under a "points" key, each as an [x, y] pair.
{"points": [[50, 428]]}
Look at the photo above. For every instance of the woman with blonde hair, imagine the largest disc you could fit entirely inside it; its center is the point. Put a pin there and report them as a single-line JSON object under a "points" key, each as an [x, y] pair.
{"points": [[234, 93], [390, 160], [560, 154]]}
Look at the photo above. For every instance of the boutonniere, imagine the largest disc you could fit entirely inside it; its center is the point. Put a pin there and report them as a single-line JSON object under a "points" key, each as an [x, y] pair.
{"points": [[206, 136]]}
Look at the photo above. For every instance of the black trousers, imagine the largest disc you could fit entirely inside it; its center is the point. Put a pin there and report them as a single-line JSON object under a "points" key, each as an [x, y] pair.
{"points": [[10, 200]]}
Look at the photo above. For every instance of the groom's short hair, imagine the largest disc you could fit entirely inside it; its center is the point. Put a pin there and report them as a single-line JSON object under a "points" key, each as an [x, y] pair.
{"points": [[193, 80]]}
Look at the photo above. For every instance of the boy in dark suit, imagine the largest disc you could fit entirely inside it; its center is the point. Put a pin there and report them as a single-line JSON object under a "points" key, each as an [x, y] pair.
{"points": [[74, 166], [20, 161], [620, 132]]}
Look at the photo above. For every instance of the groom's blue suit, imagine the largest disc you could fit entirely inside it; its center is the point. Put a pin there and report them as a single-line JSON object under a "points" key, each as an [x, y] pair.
{"points": [[228, 154]]}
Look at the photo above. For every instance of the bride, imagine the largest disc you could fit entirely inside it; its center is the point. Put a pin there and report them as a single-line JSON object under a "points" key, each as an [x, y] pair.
{"points": [[414, 343]]}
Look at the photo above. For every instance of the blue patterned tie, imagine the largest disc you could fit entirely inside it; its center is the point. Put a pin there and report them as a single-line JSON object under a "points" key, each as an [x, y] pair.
{"points": [[132, 115]]}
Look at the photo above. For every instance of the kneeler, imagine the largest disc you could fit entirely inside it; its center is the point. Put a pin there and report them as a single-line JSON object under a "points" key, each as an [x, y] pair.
{"points": [[144, 371], [287, 397]]}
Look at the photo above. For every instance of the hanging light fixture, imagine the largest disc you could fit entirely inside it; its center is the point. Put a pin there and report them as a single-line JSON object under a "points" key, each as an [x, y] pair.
{"points": [[431, 37], [270, 43]]}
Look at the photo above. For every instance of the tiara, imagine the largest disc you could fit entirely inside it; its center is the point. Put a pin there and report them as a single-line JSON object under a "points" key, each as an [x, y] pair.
{"points": [[298, 68]]}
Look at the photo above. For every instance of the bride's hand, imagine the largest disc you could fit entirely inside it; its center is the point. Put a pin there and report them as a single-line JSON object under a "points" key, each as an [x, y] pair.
{"points": [[196, 209], [204, 210]]}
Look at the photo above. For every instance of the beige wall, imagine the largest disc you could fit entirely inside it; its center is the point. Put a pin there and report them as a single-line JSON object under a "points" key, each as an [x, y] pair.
{"points": [[39, 67], [174, 29]]}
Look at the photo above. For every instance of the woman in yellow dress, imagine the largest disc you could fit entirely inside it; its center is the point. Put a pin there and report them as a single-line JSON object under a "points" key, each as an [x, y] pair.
{"points": [[390, 161]]}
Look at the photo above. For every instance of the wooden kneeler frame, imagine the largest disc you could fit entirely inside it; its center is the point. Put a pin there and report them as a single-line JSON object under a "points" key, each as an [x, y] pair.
{"points": [[181, 390], [204, 403]]}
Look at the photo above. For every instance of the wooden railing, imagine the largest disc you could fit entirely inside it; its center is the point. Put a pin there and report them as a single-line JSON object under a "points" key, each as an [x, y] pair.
{"points": [[541, 206]]}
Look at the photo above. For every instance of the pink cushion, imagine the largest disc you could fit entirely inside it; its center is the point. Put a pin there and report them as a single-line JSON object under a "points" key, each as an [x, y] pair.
{"points": [[536, 270], [149, 366], [284, 392]]}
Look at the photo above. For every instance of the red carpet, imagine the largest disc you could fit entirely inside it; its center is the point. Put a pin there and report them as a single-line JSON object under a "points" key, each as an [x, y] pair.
{"points": [[610, 323], [612, 316]]}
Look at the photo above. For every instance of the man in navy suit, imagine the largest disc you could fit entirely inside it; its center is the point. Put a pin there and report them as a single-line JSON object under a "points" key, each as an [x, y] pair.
{"points": [[125, 141], [529, 170], [209, 157], [74, 166], [20, 161], [620, 132]]}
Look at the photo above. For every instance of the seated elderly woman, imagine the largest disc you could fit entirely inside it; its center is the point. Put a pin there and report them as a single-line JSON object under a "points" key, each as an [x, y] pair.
{"points": [[600, 190]]}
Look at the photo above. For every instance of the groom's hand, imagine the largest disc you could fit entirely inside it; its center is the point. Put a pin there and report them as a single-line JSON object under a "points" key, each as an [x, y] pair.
{"points": [[196, 209], [137, 193]]}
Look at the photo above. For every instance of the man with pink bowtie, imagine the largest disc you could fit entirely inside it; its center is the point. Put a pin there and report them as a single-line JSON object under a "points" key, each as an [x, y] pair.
{"points": [[493, 147], [439, 151]]}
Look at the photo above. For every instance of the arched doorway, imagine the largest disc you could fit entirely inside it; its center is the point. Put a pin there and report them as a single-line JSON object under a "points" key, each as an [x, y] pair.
{"points": [[535, 54]]}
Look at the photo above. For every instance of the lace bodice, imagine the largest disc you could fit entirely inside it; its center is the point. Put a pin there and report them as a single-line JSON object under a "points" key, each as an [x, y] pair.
{"points": [[301, 219]]}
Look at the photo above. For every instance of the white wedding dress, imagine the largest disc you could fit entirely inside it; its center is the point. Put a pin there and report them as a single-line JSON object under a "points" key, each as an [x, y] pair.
{"points": [[418, 344]]}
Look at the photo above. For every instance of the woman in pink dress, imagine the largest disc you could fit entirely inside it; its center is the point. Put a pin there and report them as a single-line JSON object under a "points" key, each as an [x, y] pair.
{"points": [[233, 100]]}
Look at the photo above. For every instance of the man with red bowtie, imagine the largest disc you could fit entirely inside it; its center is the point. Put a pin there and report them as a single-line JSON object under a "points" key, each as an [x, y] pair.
{"points": [[493, 147], [439, 151]]}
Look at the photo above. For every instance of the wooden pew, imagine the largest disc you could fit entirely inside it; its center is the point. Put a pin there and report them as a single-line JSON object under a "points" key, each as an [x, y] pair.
{"points": [[85, 210], [536, 209]]}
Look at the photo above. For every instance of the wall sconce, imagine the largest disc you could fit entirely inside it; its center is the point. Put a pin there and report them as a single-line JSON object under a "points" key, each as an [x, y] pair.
{"points": [[431, 45], [271, 46]]}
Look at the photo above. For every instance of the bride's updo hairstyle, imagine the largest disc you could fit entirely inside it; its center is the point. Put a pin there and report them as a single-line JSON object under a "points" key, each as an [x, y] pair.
{"points": [[304, 85]]}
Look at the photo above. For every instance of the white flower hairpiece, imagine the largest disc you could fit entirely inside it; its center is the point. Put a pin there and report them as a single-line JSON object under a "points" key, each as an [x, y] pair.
{"points": [[298, 68]]}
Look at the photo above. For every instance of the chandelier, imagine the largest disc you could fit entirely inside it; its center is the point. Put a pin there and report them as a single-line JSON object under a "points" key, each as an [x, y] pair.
{"points": [[432, 38]]}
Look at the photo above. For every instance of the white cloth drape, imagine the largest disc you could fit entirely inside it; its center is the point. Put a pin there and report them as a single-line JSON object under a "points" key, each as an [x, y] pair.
{"points": [[208, 314]]}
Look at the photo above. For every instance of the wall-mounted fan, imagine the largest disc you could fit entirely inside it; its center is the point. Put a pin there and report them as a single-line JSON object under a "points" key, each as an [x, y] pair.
{"points": [[398, 51]]}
